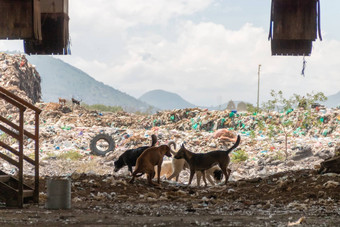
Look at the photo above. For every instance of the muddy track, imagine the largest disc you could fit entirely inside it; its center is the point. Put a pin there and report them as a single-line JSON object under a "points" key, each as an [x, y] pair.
{"points": [[109, 200]]}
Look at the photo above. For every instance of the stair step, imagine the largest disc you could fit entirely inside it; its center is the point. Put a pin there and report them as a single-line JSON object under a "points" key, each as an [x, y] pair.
{"points": [[28, 193], [4, 178]]}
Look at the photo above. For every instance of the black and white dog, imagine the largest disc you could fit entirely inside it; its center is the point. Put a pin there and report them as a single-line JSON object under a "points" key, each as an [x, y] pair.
{"points": [[129, 157]]}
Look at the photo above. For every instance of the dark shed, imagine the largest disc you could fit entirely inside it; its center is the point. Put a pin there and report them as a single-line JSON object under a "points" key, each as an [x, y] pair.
{"points": [[293, 26], [54, 28], [20, 19], [42, 24]]}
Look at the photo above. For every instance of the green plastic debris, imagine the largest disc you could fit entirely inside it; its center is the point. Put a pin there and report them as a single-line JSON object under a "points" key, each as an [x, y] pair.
{"points": [[289, 111], [222, 121]]}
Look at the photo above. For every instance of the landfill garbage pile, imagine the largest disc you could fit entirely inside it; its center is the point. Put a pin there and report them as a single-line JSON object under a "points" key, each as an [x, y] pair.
{"points": [[20, 77], [312, 136], [271, 142], [274, 170]]}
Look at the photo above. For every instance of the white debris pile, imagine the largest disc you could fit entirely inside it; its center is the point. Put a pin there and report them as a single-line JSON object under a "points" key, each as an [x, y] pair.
{"points": [[262, 145], [20, 77]]}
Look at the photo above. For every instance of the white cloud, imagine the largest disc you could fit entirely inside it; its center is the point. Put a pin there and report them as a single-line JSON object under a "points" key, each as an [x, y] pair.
{"points": [[105, 15], [207, 63], [136, 46]]}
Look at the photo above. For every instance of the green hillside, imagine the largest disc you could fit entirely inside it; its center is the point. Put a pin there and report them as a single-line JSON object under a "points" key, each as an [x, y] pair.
{"points": [[59, 79]]}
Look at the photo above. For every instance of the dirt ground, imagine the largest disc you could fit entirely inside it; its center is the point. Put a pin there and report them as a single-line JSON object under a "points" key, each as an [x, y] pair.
{"points": [[107, 200]]}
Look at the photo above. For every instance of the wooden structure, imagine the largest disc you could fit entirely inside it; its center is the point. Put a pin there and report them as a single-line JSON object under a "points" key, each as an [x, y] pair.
{"points": [[20, 19], [294, 25], [42, 24], [13, 190]]}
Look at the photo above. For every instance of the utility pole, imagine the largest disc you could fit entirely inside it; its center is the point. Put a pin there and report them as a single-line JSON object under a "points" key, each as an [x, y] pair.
{"points": [[258, 88]]}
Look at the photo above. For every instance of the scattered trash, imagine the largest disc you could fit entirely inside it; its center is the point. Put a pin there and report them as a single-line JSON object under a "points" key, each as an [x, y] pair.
{"points": [[298, 222]]}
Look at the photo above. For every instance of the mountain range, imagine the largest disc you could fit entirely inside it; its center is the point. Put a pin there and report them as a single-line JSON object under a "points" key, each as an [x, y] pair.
{"points": [[165, 100], [333, 100], [60, 79]]}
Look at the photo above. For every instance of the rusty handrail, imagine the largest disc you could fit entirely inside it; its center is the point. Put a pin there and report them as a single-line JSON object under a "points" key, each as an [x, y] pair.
{"points": [[26, 133], [22, 105], [20, 100]]}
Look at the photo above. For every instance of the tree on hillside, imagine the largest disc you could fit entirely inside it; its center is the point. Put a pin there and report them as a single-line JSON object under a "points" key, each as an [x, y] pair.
{"points": [[278, 101], [285, 123]]}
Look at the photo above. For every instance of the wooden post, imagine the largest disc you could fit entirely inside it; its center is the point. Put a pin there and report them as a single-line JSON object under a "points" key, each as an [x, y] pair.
{"points": [[21, 159], [258, 88], [36, 160]]}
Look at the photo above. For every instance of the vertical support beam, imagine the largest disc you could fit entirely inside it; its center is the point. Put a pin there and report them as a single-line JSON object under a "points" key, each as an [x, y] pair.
{"points": [[36, 160], [36, 20], [258, 88], [21, 159]]}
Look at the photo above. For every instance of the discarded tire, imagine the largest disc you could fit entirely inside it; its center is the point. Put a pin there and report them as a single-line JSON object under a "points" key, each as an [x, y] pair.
{"points": [[107, 138]]}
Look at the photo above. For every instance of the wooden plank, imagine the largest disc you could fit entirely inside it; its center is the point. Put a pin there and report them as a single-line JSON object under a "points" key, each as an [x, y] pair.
{"points": [[15, 152], [37, 20], [295, 19], [7, 190], [9, 148], [16, 19], [36, 164], [9, 132], [27, 193], [55, 32], [19, 100], [4, 178], [291, 47], [52, 6], [11, 101], [8, 159], [16, 127]]}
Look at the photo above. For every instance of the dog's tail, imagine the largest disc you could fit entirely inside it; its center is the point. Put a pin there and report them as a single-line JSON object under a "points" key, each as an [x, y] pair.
{"points": [[174, 144], [235, 145], [154, 140]]}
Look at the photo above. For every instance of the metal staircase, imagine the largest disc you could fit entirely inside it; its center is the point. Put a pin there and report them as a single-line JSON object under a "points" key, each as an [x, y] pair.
{"points": [[12, 189]]}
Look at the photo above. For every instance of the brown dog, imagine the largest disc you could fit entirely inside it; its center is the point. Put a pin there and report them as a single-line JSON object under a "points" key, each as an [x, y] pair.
{"points": [[62, 101], [147, 160], [202, 162], [180, 164]]}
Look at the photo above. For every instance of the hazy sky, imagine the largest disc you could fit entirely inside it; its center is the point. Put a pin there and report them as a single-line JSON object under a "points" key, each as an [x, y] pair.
{"points": [[207, 51]]}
